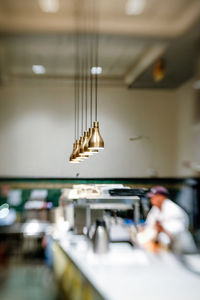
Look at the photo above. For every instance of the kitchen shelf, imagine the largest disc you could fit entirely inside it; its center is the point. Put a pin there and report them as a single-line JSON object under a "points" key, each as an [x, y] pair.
{"points": [[109, 202]]}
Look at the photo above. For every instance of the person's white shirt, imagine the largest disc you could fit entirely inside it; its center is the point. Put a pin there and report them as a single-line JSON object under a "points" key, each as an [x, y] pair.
{"points": [[176, 222]]}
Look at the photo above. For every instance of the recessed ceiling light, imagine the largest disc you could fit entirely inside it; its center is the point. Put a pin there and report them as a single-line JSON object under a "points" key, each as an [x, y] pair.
{"points": [[96, 70], [38, 69], [49, 6], [135, 7]]}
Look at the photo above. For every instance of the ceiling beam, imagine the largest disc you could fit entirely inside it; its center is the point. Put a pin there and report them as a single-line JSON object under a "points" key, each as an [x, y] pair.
{"points": [[147, 57]]}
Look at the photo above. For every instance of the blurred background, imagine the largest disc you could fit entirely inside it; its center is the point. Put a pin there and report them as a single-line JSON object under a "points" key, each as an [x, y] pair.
{"points": [[148, 108], [37, 107]]}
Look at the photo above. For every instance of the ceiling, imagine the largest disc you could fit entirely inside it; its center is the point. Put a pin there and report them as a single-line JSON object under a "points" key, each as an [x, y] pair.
{"points": [[129, 44], [160, 17], [118, 56], [180, 63]]}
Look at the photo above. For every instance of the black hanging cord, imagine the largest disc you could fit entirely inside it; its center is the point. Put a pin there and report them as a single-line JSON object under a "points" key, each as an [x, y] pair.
{"points": [[86, 82], [96, 46], [91, 76], [92, 49], [96, 75], [82, 88], [86, 63], [75, 96], [76, 76], [78, 84]]}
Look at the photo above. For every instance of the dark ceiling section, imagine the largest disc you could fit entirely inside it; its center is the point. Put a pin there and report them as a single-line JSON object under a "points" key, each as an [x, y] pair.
{"points": [[179, 61]]}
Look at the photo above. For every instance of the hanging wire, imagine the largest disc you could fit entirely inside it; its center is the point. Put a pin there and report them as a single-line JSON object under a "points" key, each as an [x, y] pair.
{"points": [[91, 77], [94, 44], [75, 85], [91, 58], [82, 86], [75, 98], [86, 82], [96, 75], [96, 47], [86, 62], [78, 81], [76, 76]]}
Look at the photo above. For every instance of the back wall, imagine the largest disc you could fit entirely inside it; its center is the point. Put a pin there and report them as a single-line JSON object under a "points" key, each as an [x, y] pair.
{"points": [[37, 132]]}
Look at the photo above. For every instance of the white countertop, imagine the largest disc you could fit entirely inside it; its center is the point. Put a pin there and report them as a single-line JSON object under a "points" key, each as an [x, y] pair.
{"points": [[128, 273]]}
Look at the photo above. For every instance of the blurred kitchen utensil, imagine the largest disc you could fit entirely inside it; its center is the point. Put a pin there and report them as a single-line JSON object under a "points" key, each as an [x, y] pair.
{"points": [[100, 238]]}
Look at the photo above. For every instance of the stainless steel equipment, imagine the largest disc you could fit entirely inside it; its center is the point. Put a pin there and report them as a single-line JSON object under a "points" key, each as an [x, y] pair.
{"points": [[84, 217], [91, 206], [100, 238]]}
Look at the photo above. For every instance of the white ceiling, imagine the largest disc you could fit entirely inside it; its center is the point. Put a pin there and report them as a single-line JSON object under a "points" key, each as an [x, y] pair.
{"points": [[159, 18], [128, 44], [117, 55]]}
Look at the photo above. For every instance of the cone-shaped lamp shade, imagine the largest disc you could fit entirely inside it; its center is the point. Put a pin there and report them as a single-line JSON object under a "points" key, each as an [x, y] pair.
{"points": [[77, 151], [96, 142], [81, 153], [87, 151], [82, 146], [72, 158], [94, 151], [73, 152]]}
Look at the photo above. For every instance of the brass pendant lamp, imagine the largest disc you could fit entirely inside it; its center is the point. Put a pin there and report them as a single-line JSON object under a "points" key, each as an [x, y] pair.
{"points": [[83, 86], [77, 151], [91, 140], [96, 141], [73, 157], [87, 151], [81, 154], [78, 140]]}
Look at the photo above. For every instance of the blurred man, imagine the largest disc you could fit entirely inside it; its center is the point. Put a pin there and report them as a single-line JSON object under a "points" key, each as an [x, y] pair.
{"points": [[169, 221]]}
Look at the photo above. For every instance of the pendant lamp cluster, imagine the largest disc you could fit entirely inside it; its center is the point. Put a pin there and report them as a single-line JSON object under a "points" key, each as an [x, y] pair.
{"points": [[88, 140]]}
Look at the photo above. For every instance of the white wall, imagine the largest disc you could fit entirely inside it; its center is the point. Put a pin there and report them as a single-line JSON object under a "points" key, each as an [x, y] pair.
{"points": [[188, 133], [37, 130]]}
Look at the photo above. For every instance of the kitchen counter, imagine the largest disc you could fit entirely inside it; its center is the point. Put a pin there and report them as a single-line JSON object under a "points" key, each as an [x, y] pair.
{"points": [[129, 273]]}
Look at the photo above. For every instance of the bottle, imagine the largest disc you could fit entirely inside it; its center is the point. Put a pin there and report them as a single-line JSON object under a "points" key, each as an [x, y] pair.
{"points": [[100, 238]]}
